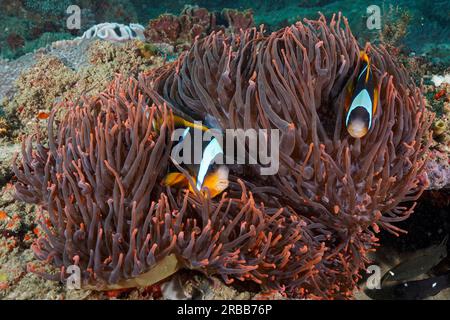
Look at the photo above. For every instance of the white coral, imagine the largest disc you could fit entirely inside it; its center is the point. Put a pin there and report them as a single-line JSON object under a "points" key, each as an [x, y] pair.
{"points": [[438, 80], [114, 32]]}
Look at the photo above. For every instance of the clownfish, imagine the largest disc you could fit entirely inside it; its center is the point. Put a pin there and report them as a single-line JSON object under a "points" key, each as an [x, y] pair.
{"points": [[204, 174], [361, 101]]}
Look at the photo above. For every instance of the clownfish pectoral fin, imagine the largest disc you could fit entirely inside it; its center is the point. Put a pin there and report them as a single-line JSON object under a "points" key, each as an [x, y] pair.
{"points": [[217, 181], [375, 101], [175, 179]]}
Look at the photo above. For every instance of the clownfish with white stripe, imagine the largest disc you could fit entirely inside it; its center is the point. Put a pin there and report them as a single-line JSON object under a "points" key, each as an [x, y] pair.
{"points": [[361, 101], [204, 174]]}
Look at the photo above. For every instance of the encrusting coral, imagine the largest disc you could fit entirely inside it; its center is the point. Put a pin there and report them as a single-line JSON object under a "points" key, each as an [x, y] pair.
{"points": [[106, 211], [181, 31]]}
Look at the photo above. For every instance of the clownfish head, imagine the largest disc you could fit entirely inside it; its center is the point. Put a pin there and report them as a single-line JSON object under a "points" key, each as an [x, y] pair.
{"points": [[361, 101]]}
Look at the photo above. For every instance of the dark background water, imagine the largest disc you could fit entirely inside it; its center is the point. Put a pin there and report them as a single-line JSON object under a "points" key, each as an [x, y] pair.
{"points": [[29, 24]]}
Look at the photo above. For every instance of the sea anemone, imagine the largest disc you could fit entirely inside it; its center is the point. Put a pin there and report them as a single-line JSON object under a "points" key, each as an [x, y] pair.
{"points": [[295, 80], [97, 173], [105, 210]]}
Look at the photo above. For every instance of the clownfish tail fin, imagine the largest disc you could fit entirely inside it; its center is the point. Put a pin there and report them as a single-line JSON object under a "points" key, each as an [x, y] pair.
{"points": [[175, 179]]}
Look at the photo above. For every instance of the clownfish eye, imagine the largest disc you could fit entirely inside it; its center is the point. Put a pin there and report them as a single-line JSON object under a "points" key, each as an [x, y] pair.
{"points": [[358, 122]]}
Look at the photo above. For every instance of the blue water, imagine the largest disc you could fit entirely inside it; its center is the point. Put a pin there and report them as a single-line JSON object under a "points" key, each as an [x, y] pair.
{"points": [[30, 24]]}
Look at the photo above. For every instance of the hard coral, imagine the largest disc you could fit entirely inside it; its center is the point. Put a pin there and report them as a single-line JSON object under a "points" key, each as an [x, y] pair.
{"points": [[395, 28], [238, 19], [182, 29], [99, 179], [166, 28], [15, 41], [193, 21]]}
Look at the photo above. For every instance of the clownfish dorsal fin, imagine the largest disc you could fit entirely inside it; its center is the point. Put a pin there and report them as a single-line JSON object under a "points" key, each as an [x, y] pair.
{"points": [[363, 55]]}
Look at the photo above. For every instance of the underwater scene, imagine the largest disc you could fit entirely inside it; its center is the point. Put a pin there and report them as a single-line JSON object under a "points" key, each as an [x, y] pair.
{"points": [[224, 150]]}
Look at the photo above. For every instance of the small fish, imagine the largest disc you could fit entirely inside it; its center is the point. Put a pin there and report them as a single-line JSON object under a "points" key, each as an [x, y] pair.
{"points": [[421, 289], [3, 215], [418, 264], [178, 122], [361, 101], [440, 94], [206, 173], [43, 115]]}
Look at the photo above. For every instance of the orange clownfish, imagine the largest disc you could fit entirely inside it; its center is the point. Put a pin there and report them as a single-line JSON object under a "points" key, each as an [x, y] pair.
{"points": [[361, 101], [205, 173]]}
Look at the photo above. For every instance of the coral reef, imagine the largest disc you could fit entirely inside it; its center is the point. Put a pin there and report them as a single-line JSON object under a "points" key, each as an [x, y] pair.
{"points": [[180, 31], [438, 170], [31, 20], [115, 32], [237, 20], [395, 28], [50, 80], [438, 101], [41, 85], [39, 23], [105, 210], [6, 156], [15, 41]]}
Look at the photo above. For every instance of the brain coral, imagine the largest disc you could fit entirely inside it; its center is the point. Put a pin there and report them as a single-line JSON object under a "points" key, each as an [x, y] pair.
{"points": [[308, 234]]}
